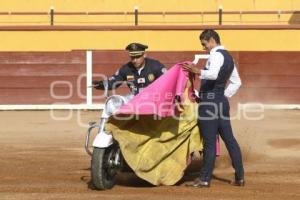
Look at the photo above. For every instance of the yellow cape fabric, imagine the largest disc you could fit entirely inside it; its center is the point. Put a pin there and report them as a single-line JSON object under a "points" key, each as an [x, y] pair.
{"points": [[158, 149]]}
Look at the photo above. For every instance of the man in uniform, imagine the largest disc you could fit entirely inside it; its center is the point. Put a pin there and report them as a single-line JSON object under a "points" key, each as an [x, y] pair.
{"points": [[214, 107], [139, 72]]}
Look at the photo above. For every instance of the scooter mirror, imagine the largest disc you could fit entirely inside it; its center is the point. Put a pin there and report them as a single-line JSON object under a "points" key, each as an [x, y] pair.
{"points": [[105, 84]]}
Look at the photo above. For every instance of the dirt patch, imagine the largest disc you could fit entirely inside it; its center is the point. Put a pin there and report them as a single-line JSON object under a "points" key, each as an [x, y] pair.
{"points": [[285, 143], [42, 157]]}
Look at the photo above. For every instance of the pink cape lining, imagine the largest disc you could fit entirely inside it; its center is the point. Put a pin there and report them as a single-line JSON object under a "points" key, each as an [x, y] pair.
{"points": [[158, 98]]}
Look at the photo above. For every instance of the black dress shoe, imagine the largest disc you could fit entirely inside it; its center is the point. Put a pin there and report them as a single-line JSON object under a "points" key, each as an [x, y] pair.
{"points": [[238, 182], [198, 183]]}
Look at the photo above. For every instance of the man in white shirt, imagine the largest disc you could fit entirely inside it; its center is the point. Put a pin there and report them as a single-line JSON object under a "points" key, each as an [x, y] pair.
{"points": [[214, 107]]}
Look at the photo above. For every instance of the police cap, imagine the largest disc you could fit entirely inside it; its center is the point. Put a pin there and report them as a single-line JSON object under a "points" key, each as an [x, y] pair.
{"points": [[136, 49]]}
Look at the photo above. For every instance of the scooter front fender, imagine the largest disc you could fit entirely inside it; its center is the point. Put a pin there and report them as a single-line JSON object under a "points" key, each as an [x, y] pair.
{"points": [[103, 140]]}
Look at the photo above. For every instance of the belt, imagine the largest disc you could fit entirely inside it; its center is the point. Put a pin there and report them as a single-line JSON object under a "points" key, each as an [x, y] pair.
{"points": [[210, 95]]}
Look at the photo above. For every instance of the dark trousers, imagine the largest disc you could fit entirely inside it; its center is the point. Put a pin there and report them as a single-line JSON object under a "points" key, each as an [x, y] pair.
{"points": [[213, 119]]}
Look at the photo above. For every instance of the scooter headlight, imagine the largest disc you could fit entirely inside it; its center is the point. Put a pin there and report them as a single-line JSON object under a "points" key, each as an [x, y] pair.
{"points": [[113, 104]]}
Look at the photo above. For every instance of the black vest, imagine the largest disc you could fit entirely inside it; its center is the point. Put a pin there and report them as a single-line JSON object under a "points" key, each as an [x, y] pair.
{"points": [[218, 85]]}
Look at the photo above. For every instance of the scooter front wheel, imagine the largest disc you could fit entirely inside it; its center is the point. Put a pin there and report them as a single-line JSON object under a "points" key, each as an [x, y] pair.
{"points": [[103, 172]]}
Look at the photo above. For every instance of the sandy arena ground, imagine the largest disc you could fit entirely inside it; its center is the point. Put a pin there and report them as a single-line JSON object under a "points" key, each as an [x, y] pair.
{"points": [[43, 158]]}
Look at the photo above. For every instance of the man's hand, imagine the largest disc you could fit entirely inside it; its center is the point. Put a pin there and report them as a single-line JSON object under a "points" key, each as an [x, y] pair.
{"points": [[191, 68], [178, 104], [98, 84]]}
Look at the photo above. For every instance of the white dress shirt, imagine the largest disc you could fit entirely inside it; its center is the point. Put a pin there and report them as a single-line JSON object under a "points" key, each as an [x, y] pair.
{"points": [[213, 65], [140, 70]]}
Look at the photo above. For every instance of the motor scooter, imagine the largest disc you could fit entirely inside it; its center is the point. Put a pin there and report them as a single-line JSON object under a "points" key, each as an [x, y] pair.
{"points": [[107, 160]]}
